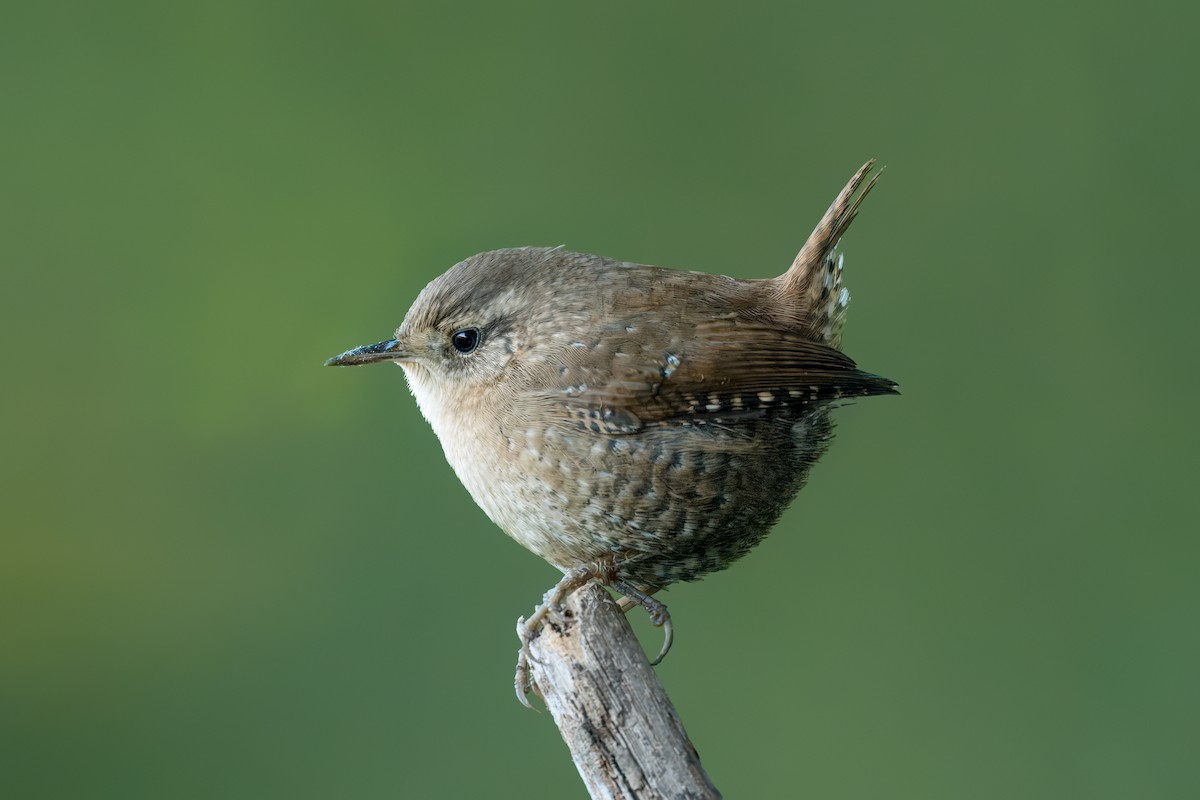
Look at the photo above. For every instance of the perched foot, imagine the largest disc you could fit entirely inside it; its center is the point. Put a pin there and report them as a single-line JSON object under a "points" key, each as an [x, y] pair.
{"points": [[527, 629], [659, 617]]}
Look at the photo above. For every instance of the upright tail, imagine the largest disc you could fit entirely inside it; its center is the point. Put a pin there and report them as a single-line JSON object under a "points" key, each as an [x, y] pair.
{"points": [[813, 284]]}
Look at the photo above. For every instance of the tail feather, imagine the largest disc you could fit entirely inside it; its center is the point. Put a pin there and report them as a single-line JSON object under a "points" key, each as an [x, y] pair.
{"points": [[813, 284]]}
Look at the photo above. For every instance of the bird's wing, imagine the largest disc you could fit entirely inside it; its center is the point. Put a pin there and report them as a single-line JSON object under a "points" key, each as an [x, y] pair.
{"points": [[726, 371]]}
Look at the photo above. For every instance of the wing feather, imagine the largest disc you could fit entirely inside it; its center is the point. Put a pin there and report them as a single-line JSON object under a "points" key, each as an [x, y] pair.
{"points": [[728, 370]]}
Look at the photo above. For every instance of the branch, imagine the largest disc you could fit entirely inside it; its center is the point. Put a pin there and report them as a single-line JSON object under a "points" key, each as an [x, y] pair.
{"points": [[624, 735]]}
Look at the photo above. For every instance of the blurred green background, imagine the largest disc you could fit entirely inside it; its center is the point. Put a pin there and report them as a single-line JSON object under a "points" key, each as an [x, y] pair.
{"points": [[227, 572]]}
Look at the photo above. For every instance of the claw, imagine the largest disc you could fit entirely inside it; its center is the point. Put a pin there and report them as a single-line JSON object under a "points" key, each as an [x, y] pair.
{"points": [[668, 637], [659, 616], [522, 682], [527, 630], [557, 614]]}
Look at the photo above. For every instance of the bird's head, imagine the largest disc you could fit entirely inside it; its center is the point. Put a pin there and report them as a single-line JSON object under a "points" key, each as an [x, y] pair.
{"points": [[483, 316]]}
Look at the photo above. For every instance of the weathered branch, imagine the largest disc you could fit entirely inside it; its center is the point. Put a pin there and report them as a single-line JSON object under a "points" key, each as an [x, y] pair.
{"points": [[624, 735]]}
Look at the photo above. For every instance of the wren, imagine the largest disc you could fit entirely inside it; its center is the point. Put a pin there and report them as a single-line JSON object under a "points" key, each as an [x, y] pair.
{"points": [[632, 425]]}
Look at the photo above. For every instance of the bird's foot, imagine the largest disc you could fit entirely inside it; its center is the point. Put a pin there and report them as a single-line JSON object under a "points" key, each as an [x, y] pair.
{"points": [[659, 616], [528, 629]]}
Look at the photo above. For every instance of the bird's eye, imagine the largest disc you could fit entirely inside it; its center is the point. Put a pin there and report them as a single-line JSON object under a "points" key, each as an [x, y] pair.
{"points": [[466, 340]]}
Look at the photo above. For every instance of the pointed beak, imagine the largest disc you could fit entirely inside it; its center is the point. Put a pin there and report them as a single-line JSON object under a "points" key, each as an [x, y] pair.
{"points": [[370, 354]]}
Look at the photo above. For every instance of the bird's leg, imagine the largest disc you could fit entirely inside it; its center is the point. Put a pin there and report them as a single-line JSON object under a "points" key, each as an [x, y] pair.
{"points": [[657, 611], [527, 628]]}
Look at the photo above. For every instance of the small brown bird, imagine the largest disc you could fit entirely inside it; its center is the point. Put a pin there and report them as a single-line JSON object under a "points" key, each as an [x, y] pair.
{"points": [[632, 425]]}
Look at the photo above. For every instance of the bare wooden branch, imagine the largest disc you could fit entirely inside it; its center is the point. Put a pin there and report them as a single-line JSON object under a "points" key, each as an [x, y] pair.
{"points": [[624, 735]]}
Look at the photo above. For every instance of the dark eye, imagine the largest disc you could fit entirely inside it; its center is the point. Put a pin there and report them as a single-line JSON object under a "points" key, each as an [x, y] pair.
{"points": [[466, 340]]}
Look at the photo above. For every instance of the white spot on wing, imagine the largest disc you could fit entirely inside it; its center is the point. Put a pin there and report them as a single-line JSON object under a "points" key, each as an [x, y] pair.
{"points": [[672, 365]]}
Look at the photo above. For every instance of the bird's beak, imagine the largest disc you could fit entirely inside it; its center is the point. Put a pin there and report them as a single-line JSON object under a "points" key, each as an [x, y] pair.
{"points": [[370, 354]]}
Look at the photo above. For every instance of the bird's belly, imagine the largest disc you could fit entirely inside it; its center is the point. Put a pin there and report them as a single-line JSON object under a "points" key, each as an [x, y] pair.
{"points": [[667, 504]]}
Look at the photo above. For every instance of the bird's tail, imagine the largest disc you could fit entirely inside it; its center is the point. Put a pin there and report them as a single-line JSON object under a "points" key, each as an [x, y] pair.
{"points": [[813, 284]]}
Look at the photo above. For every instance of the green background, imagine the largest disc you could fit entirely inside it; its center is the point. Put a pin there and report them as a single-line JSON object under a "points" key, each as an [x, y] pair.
{"points": [[229, 573]]}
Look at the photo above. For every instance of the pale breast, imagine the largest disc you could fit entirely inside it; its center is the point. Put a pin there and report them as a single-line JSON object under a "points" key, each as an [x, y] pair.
{"points": [[669, 503]]}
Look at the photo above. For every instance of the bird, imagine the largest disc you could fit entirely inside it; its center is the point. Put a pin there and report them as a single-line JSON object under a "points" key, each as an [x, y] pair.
{"points": [[633, 425]]}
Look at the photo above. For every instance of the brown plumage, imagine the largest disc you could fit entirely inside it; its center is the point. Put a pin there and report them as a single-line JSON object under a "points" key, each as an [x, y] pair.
{"points": [[631, 424]]}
